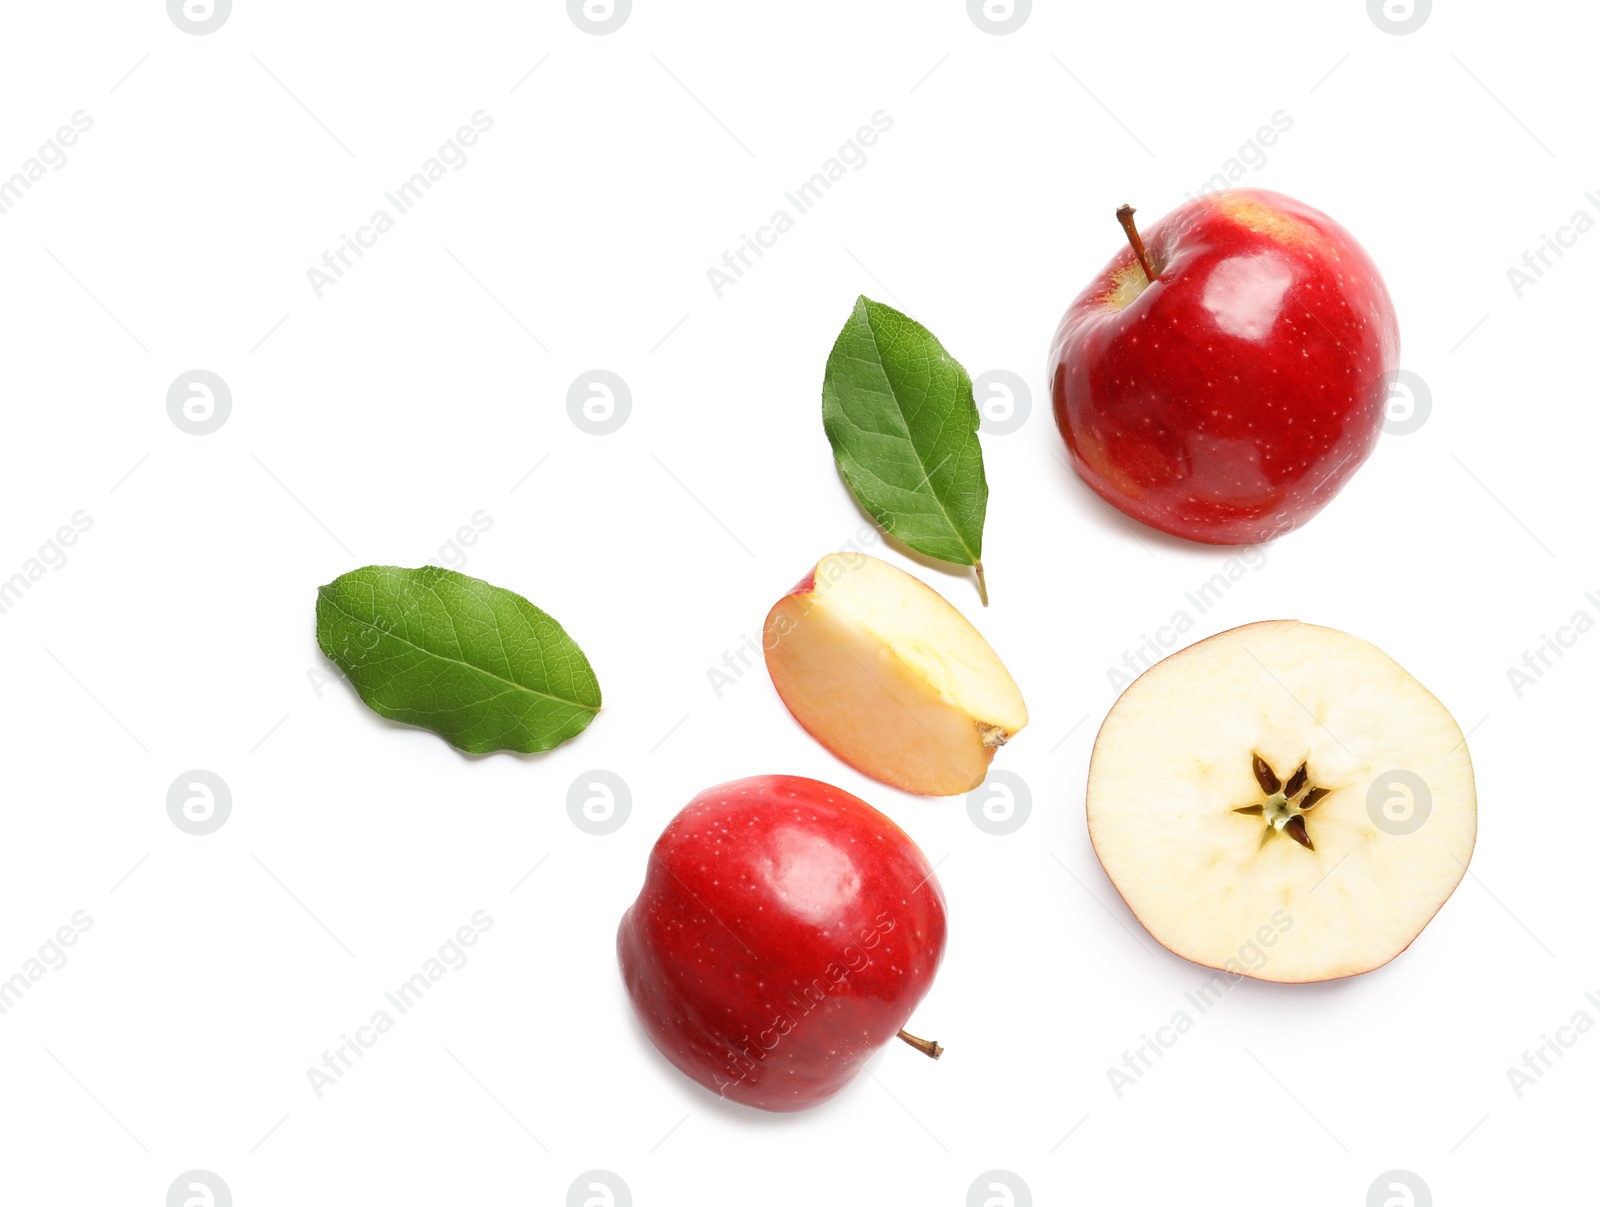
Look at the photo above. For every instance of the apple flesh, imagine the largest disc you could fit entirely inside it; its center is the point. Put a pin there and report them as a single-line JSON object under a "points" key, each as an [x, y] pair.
{"points": [[1229, 399], [785, 932], [1282, 801], [885, 673]]}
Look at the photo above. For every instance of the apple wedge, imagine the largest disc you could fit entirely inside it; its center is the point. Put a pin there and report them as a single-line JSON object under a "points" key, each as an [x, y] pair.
{"points": [[884, 672], [1282, 801]]}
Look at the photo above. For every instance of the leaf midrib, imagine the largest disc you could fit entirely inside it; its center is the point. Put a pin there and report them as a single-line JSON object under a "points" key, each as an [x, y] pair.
{"points": [[927, 474]]}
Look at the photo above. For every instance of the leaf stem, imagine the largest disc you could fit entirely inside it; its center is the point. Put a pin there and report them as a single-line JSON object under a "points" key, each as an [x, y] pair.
{"points": [[983, 588]]}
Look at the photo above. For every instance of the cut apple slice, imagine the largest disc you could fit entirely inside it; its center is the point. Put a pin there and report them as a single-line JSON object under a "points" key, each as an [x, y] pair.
{"points": [[1282, 801], [886, 674]]}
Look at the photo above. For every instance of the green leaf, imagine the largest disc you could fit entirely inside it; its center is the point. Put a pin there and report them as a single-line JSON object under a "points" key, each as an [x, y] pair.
{"points": [[477, 664], [899, 412]]}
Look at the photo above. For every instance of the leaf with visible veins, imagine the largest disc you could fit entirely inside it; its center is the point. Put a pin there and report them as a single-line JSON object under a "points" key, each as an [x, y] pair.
{"points": [[477, 664], [899, 413]]}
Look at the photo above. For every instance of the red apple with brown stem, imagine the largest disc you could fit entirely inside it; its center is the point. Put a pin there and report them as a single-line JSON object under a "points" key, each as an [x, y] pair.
{"points": [[1226, 373], [785, 932]]}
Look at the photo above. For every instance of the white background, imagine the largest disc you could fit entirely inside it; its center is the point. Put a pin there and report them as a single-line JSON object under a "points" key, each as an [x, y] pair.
{"points": [[369, 424]]}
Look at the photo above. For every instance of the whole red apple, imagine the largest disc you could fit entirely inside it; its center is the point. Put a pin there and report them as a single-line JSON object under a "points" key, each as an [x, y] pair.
{"points": [[785, 932], [1223, 379]]}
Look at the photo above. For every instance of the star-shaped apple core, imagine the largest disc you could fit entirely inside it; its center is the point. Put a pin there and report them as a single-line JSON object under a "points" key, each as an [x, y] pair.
{"points": [[1285, 804]]}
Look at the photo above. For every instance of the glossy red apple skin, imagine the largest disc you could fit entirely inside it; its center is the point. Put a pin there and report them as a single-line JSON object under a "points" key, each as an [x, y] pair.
{"points": [[1234, 396], [786, 930]]}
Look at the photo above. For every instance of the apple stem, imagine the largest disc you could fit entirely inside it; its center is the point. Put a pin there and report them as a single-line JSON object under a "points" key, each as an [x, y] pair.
{"points": [[1125, 216], [983, 588], [928, 1047]]}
